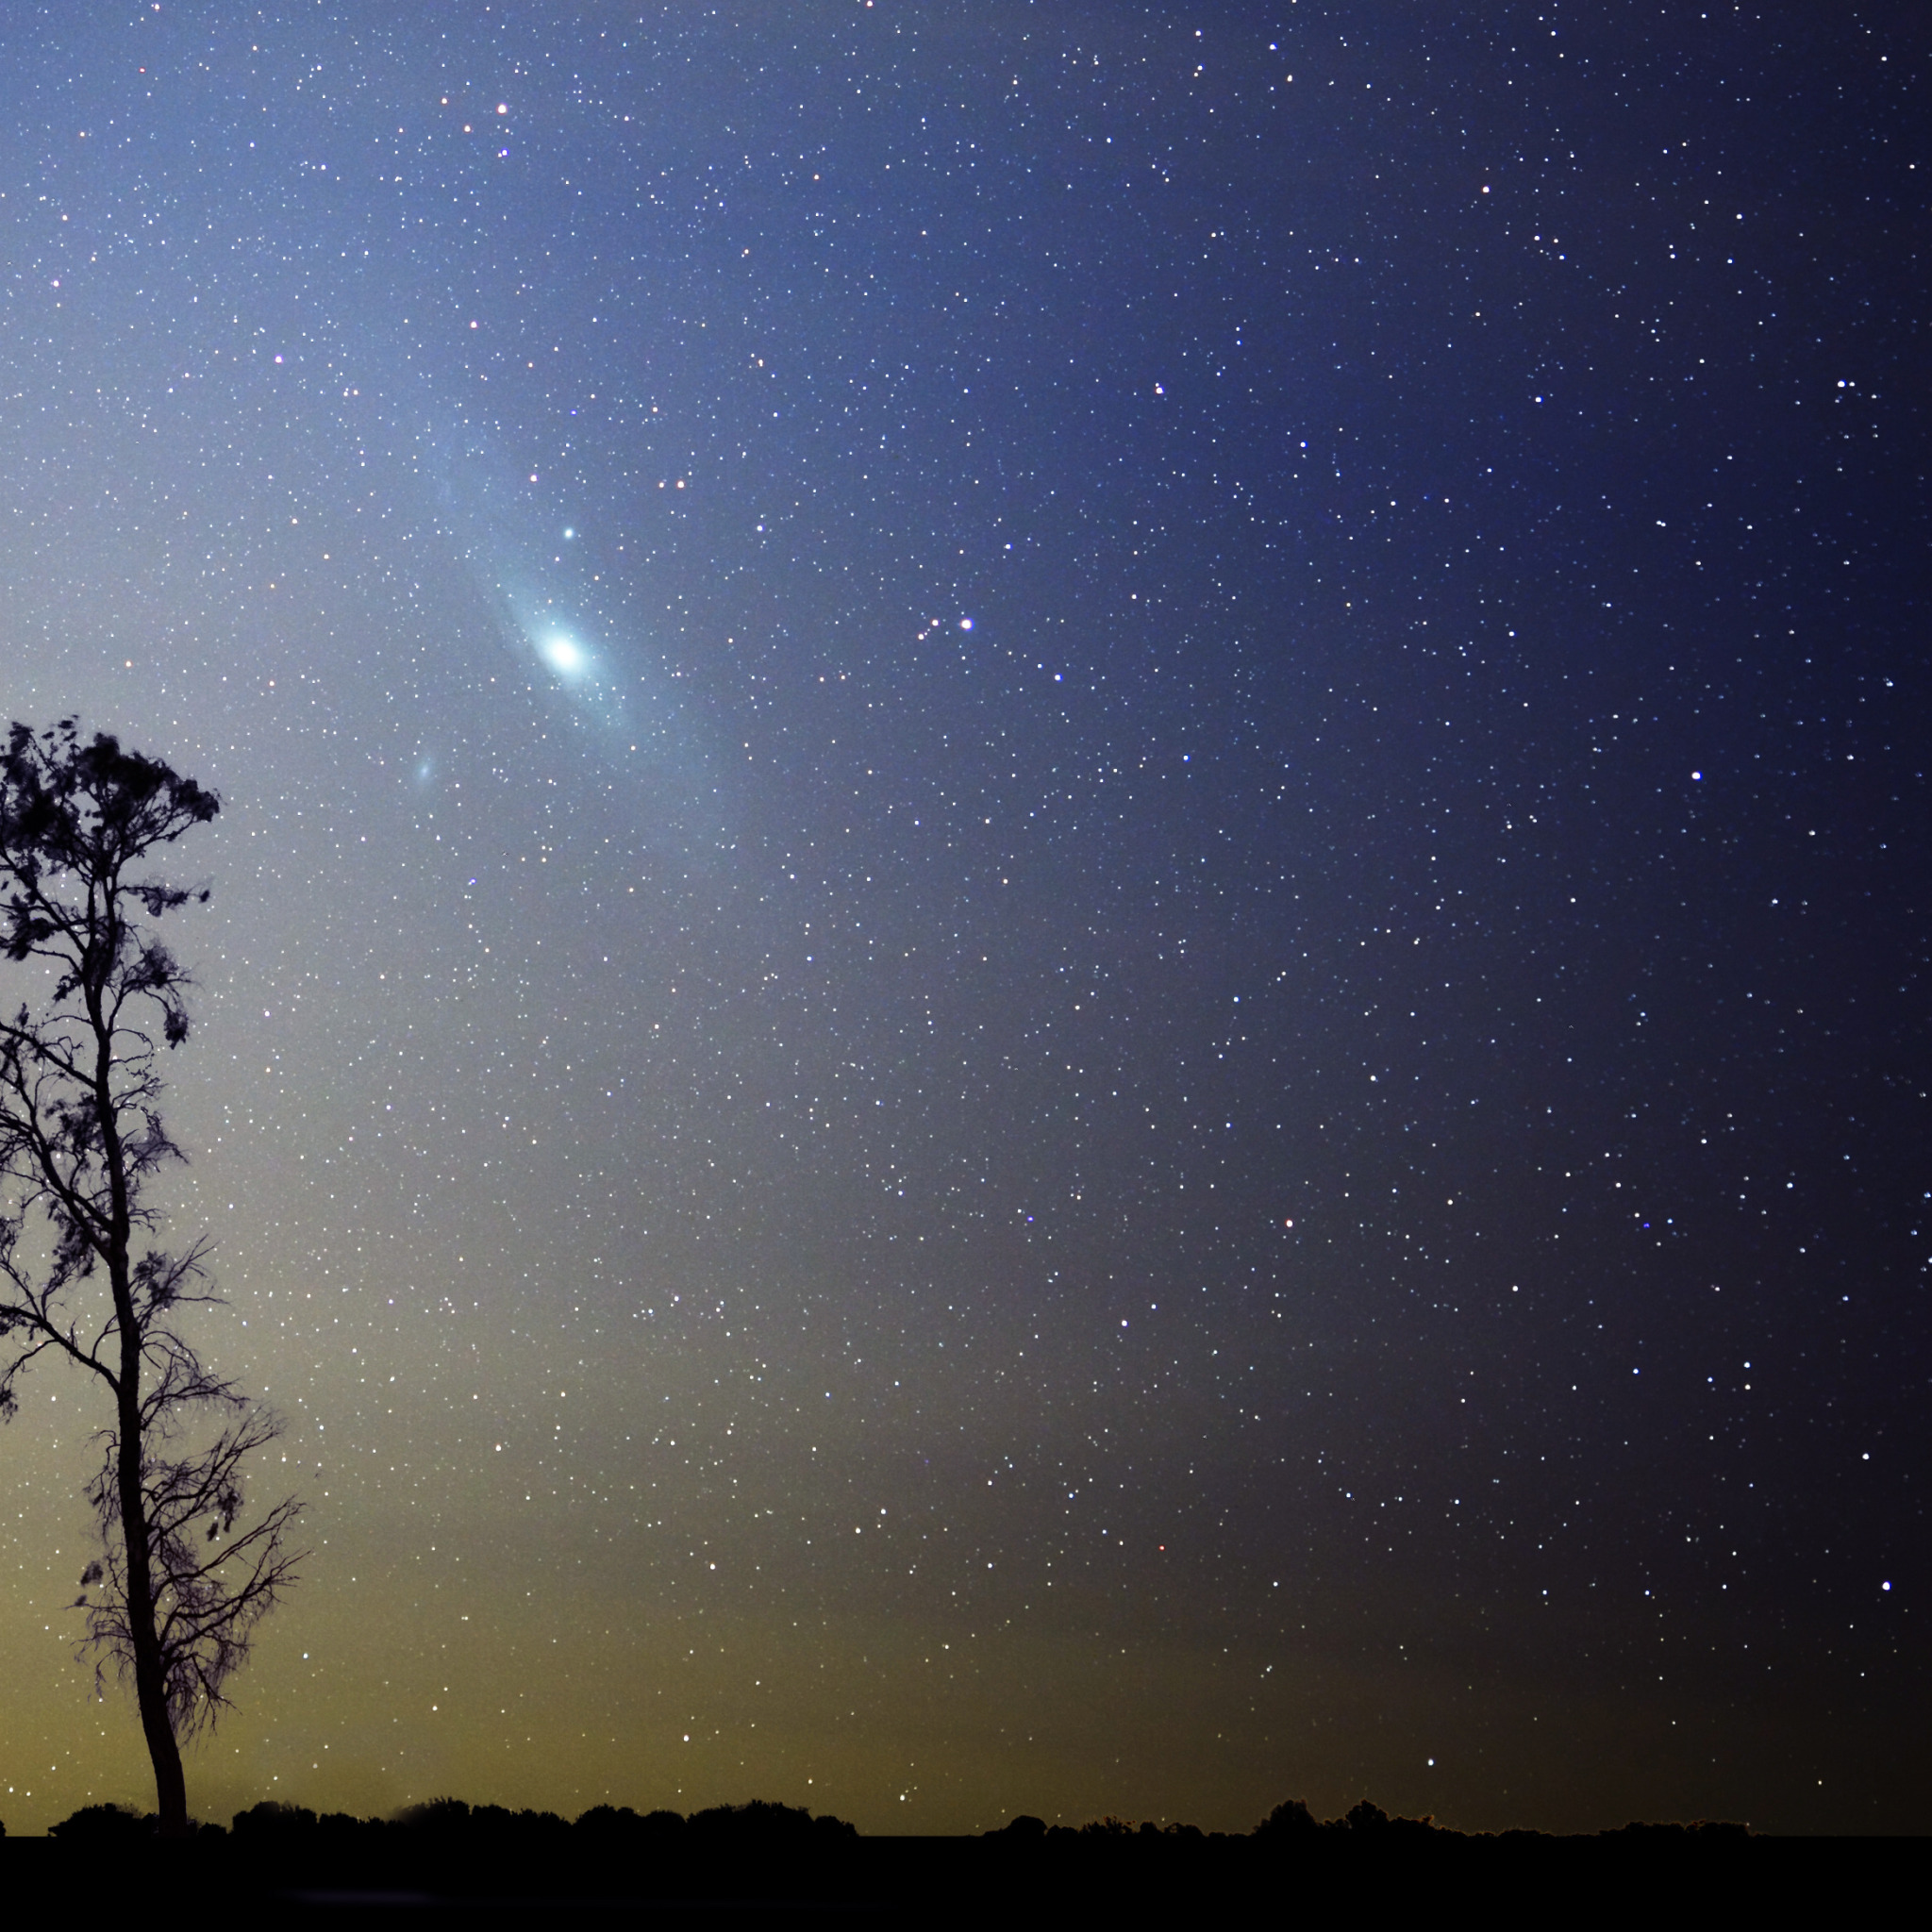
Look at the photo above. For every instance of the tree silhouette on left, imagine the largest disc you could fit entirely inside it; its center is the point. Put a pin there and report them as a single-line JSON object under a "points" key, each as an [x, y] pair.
{"points": [[184, 1574]]}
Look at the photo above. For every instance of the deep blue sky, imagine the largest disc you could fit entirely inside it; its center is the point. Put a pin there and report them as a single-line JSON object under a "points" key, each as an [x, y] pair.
{"points": [[1069, 944]]}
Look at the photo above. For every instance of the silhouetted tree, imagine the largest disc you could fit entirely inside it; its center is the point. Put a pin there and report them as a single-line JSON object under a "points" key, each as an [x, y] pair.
{"points": [[1290, 1823], [181, 1583]]}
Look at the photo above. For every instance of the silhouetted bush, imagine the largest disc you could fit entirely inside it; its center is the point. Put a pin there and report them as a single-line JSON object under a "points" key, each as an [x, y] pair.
{"points": [[437, 1818], [1289, 1822], [762, 1827], [272, 1823], [737, 1825], [103, 1824], [609, 1827], [661, 1833]]}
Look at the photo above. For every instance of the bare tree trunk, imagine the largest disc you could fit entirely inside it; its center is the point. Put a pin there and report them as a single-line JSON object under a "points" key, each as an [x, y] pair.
{"points": [[150, 1675], [150, 1680]]}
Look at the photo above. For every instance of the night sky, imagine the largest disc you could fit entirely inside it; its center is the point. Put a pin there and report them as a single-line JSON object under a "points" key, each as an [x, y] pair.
{"points": [[1069, 939]]}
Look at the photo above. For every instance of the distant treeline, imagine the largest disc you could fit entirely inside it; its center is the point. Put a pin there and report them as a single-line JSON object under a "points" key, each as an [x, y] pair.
{"points": [[447, 1827], [462, 1858]]}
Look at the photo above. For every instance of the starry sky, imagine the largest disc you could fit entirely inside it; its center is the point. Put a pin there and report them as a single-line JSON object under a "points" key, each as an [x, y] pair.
{"points": [[1068, 948]]}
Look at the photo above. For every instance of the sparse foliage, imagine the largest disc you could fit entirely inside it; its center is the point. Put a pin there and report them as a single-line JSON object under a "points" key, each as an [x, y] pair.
{"points": [[183, 1577]]}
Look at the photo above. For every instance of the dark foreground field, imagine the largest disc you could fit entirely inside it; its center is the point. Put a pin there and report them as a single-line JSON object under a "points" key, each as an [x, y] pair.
{"points": [[450, 1861]]}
